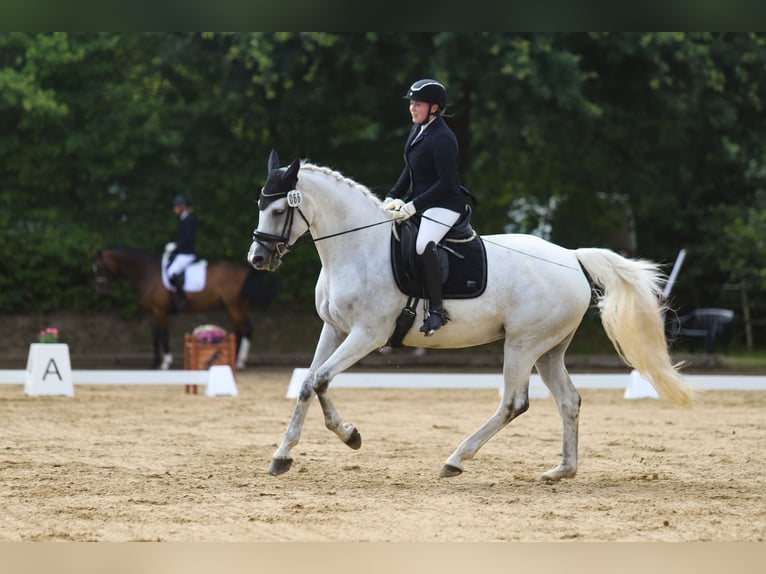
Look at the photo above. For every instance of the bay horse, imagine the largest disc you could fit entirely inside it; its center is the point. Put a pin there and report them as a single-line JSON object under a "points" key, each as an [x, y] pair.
{"points": [[233, 286], [535, 298]]}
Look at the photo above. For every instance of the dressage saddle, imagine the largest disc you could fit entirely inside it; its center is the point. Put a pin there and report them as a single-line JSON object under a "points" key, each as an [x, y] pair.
{"points": [[462, 259]]}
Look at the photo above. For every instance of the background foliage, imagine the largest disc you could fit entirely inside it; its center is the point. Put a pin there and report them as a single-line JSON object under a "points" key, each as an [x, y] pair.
{"points": [[642, 142]]}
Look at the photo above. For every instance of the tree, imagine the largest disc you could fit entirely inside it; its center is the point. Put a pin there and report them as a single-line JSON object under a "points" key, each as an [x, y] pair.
{"points": [[642, 141]]}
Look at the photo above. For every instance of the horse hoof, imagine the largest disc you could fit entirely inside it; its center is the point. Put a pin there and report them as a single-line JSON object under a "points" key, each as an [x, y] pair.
{"points": [[557, 474], [280, 466], [449, 470], [355, 440]]}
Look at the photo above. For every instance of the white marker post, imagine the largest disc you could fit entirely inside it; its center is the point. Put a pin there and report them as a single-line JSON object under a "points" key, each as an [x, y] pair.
{"points": [[49, 371], [674, 273]]}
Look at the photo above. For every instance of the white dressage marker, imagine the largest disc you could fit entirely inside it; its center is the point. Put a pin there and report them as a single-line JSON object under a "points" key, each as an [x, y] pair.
{"points": [[49, 371], [221, 382], [640, 388]]}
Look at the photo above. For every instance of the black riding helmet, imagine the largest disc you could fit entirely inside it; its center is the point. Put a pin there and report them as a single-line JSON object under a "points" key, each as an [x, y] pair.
{"points": [[180, 200], [429, 91]]}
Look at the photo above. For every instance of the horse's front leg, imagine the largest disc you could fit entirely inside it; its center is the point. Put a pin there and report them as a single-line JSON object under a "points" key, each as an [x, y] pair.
{"points": [[355, 347], [160, 337], [243, 351], [155, 346], [346, 353], [281, 460], [243, 331]]}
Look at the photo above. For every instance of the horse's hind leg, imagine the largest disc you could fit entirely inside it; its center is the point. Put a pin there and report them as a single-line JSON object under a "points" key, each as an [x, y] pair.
{"points": [[515, 401], [243, 334], [554, 374], [243, 331]]}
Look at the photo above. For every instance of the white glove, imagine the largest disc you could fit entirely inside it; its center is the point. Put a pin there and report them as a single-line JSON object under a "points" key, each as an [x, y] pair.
{"points": [[407, 210], [392, 204]]}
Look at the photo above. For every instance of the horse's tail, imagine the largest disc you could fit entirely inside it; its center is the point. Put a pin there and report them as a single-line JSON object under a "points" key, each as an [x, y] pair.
{"points": [[629, 301], [261, 288]]}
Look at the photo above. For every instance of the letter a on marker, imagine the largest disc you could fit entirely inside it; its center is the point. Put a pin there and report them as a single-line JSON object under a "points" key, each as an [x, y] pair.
{"points": [[55, 369]]}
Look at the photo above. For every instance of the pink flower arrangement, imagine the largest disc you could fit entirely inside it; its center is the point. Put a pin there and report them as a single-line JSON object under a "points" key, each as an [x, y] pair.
{"points": [[48, 335], [209, 334]]}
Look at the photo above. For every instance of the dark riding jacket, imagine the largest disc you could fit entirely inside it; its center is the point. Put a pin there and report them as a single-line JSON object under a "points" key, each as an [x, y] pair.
{"points": [[431, 169], [185, 234]]}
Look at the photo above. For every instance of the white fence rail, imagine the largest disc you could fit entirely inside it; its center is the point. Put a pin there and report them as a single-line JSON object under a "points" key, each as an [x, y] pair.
{"points": [[118, 377], [536, 387]]}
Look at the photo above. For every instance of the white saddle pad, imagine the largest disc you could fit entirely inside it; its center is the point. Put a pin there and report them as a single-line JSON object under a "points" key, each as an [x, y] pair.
{"points": [[194, 278]]}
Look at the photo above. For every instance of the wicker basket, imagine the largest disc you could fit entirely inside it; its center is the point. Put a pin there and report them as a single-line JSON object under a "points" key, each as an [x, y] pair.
{"points": [[201, 356]]}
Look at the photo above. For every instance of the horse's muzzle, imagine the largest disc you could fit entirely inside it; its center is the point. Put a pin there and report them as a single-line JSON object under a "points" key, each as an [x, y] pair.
{"points": [[263, 259]]}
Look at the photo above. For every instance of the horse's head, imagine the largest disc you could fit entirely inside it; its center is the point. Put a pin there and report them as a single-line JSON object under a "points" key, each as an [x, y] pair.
{"points": [[278, 229], [103, 271]]}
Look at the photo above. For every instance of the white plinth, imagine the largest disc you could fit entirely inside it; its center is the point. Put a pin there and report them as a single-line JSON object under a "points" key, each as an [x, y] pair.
{"points": [[221, 382], [640, 388], [49, 371]]}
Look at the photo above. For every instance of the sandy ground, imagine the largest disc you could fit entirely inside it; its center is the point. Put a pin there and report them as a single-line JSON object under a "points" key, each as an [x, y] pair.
{"points": [[143, 463]]}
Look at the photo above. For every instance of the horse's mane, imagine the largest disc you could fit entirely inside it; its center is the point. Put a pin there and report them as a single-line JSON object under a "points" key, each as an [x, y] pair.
{"points": [[339, 177]]}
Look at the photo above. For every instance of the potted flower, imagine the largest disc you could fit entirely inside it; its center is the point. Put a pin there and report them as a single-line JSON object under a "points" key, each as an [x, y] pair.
{"points": [[48, 335], [209, 334]]}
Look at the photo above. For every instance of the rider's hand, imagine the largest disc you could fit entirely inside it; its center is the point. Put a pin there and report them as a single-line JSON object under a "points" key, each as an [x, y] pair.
{"points": [[392, 204], [407, 210]]}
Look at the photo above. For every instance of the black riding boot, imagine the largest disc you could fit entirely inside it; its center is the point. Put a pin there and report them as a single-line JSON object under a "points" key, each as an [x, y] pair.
{"points": [[180, 302], [432, 278]]}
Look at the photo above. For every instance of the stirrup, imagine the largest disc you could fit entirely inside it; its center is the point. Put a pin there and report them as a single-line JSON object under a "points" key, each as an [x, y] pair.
{"points": [[433, 322]]}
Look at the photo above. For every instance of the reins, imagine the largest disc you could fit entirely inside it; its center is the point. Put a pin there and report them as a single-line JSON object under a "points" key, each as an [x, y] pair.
{"points": [[360, 228], [282, 247], [280, 241]]}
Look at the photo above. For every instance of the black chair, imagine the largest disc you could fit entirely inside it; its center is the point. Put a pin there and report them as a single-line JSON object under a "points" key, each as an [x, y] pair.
{"points": [[707, 324]]}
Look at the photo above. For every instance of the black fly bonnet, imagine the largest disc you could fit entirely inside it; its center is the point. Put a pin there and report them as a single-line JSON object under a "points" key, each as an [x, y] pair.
{"points": [[281, 182]]}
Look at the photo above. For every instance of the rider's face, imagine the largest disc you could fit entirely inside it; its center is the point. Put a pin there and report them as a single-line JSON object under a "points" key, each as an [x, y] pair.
{"points": [[419, 111]]}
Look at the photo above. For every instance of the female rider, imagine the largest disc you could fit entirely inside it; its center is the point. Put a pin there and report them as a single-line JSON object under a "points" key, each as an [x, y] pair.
{"points": [[431, 186]]}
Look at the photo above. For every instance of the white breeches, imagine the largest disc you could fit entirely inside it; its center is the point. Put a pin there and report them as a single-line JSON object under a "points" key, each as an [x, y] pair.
{"points": [[181, 262], [434, 225]]}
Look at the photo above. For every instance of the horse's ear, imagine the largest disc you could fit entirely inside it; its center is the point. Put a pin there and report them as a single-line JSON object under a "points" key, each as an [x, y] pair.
{"points": [[273, 161], [291, 175]]}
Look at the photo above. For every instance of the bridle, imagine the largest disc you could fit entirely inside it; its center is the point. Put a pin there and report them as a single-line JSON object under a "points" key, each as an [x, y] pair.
{"points": [[103, 271], [281, 243]]}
